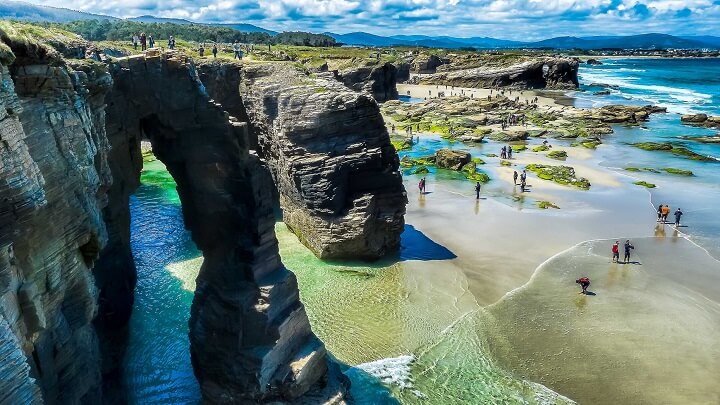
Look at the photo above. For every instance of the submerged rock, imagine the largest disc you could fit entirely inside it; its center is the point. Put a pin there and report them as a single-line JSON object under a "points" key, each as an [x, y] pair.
{"points": [[452, 159]]}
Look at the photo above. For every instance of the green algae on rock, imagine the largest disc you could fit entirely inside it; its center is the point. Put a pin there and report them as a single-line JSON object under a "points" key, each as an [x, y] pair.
{"points": [[645, 184], [559, 174], [678, 172], [677, 150], [541, 148], [558, 155], [546, 204]]}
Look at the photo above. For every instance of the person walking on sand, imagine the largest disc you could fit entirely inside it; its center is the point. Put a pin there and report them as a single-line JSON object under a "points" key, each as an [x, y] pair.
{"points": [[616, 252], [678, 214], [584, 284], [628, 246], [659, 212], [515, 176], [503, 153], [509, 152], [665, 213], [421, 185], [477, 190]]}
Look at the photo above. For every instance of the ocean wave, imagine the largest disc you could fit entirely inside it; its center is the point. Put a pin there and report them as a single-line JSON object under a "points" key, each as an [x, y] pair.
{"points": [[392, 371]]}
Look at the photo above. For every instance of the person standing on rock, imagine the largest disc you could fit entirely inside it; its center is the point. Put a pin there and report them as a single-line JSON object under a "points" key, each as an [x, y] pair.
{"points": [[214, 50], [515, 176], [135, 40], [143, 41], [678, 214], [477, 190], [151, 41], [171, 42]]}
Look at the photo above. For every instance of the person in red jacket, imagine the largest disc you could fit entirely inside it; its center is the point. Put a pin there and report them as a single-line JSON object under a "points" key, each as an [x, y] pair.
{"points": [[616, 252], [584, 283]]}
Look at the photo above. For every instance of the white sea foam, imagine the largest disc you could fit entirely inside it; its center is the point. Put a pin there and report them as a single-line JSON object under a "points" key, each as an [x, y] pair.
{"points": [[392, 371]]}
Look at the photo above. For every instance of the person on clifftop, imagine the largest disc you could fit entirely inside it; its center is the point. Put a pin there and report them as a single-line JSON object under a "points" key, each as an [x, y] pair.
{"points": [[143, 41], [214, 50], [171, 42], [151, 41]]}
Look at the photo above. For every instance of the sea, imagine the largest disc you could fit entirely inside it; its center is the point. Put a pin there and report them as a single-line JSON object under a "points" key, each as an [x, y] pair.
{"points": [[400, 341]]}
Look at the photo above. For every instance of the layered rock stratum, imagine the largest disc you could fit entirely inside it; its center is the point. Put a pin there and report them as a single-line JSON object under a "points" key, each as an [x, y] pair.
{"points": [[330, 155], [71, 133]]}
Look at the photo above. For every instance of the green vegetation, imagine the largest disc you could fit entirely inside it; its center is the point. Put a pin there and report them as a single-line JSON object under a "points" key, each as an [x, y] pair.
{"points": [[644, 184], [420, 166], [559, 174], [678, 172], [505, 163], [519, 148], [674, 149], [401, 143], [589, 144], [491, 155], [123, 30], [541, 148], [478, 161], [546, 204], [558, 155], [420, 170]]}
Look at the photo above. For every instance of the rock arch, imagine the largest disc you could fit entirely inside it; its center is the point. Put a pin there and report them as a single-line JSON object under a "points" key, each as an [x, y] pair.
{"points": [[250, 336]]}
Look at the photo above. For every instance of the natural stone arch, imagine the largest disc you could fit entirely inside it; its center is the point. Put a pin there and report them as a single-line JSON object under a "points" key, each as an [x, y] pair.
{"points": [[250, 336]]}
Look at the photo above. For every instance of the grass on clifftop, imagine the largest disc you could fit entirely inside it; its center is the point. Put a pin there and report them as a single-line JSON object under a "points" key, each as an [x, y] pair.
{"points": [[35, 41]]}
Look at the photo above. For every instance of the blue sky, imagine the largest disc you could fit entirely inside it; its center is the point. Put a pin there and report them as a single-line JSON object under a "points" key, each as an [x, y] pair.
{"points": [[509, 19]]}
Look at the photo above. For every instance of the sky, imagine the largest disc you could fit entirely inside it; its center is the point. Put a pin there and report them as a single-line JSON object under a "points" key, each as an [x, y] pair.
{"points": [[507, 19]]}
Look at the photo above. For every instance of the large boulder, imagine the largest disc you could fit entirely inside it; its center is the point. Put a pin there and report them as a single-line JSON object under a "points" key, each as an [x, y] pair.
{"points": [[425, 63], [330, 154], [452, 159]]}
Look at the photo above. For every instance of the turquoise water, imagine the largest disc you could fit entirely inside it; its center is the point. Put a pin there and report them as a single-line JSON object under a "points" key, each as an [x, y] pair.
{"points": [[401, 322]]}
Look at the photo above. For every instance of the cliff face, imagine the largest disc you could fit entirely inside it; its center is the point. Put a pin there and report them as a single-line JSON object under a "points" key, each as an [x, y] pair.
{"points": [[378, 81], [333, 164], [250, 336], [54, 186], [550, 73], [66, 171]]}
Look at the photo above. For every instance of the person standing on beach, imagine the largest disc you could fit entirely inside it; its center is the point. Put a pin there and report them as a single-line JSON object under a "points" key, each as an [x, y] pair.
{"points": [[477, 190], [421, 185], [503, 153], [659, 212], [665, 213], [616, 252], [515, 176], [628, 246], [509, 152], [678, 214]]}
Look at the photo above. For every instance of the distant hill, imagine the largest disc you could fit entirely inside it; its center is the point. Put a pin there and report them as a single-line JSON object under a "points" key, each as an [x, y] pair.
{"points": [[30, 12], [18, 10], [643, 41]]}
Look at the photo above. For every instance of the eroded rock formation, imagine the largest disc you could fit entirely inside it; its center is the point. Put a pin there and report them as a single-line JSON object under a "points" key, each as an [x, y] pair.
{"points": [[63, 219], [550, 73], [331, 157], [250, 336], [380, 81]]}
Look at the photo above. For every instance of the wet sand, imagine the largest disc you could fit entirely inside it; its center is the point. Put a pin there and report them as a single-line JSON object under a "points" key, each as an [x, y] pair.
{"points": [[649, 334], [426, 91]]}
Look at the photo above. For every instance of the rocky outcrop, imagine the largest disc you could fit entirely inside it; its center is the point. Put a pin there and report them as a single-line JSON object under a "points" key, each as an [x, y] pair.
{"points": [[332, 160], [425, 64], [701, 120], [625, 114], [452, 159], [70, 158], [249, 333], [380, 81], [594, 62], [54, 185], [550, 73]]}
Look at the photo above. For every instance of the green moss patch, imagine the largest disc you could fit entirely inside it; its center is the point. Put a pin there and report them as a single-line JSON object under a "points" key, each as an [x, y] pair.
{"points": [[678, 172], [674, 149], [546, 204], [541, 148], [644, 184], [558, 155], [560, 174]]}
